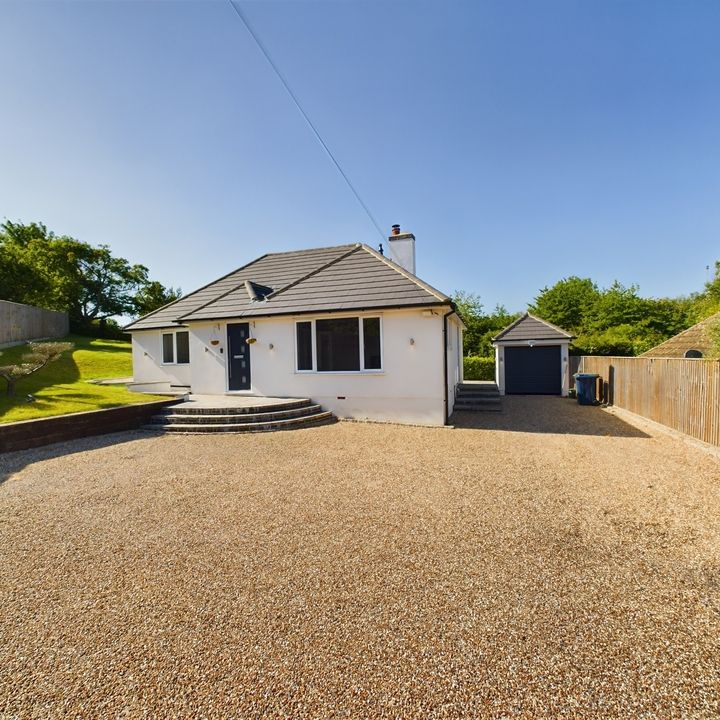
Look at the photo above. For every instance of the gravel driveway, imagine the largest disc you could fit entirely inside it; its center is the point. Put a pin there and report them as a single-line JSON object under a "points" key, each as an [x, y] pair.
{"points": [[547, 561]]}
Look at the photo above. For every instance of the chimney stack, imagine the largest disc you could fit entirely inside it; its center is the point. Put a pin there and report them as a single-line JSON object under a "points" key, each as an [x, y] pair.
{"points": [[402, 248]]}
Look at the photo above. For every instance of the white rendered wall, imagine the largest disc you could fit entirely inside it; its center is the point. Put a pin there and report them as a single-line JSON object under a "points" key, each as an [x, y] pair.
{"points": [[454, 359], [147, 361]]}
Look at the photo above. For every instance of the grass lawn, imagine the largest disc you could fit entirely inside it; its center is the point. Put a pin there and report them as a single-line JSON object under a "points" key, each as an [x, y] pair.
{"points": [[62, 387]]}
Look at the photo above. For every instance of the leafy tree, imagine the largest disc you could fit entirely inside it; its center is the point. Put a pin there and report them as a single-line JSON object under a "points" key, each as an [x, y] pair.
{"points": [[154, 295], [40, 268], [39, 355], [480, 327], [470, 308], [618, 305], [568, 303], [707, 302]]}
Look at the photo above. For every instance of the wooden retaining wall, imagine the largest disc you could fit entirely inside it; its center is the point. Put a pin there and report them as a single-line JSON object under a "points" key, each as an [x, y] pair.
{"points": [[683, 394], [34, 433], [20, 323]]}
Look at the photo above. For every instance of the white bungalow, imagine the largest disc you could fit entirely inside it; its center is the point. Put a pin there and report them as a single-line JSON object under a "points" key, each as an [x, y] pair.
{"points": [[353, 330]]}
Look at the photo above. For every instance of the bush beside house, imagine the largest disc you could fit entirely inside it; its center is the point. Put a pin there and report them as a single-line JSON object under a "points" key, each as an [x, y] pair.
{"points": [[476, 367]]}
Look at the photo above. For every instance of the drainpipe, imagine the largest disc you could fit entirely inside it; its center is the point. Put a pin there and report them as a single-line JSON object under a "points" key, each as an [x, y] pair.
{"points": [[445, 368]]}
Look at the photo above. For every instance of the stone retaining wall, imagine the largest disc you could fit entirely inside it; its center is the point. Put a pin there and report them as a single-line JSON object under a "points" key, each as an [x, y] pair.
{"points": [[33, 433]]}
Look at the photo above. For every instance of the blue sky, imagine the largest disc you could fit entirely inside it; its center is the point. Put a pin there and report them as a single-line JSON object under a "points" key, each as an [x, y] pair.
{"points": [[521, 142]]}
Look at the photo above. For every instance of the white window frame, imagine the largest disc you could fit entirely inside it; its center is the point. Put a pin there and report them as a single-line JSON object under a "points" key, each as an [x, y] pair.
{"points": [[175, 354], [361, 347]]}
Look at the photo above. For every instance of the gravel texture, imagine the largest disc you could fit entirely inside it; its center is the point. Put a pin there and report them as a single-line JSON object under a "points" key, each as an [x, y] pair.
{"points": [[549, 561]]}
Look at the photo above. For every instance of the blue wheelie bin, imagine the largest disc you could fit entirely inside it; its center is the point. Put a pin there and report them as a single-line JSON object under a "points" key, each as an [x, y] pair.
{"points": [[585, 385]]}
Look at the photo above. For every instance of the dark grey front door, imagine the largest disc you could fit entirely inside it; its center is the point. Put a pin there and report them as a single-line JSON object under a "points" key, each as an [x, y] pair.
{"points": [[533, 370], [238, 356]]}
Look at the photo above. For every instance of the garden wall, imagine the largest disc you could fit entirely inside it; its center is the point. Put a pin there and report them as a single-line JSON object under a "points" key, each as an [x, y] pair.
{"points": [[21, 323], [34, 433]]}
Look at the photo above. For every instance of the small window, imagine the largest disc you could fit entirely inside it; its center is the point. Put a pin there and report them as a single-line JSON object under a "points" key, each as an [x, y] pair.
{"points": [[168, 348], [182, 343], [371, 343], [304, 345], [338, 344], [693, 354]]}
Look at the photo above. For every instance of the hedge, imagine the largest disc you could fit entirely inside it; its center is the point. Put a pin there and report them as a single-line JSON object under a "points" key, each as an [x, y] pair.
{"points": [[478, 368]]}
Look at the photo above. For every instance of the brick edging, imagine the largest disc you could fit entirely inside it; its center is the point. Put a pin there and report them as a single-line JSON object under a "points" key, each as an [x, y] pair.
{"points": [[26, 434]]}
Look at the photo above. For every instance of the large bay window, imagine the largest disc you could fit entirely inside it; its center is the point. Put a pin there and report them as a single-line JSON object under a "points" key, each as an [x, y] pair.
{"points": [[347, 344], [176, 348]]}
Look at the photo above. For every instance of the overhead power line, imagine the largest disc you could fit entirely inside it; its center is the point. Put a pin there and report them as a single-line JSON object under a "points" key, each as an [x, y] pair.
{"points": [[295, 100]]}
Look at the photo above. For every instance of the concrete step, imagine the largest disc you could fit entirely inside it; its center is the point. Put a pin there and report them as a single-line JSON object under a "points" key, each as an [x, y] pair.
{"points": [[478, 390], [235, 427], [179, 418], [190, 409], [477, 408]]}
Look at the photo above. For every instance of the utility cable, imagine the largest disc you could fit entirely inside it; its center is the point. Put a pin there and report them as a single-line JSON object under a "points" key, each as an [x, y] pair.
{"points": [[295, 100]]}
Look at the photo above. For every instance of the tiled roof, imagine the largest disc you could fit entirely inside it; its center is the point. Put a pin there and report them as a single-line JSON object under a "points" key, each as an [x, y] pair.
{"points": [[346, 277], [696, 337], [529, 327]]}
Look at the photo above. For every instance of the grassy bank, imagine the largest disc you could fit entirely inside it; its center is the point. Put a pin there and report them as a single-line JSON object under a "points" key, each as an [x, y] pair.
{"points": [[63, 386]]}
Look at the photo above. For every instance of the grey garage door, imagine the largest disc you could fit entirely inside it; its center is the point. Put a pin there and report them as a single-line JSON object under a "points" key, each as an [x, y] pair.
{"points": [[532, 370]]}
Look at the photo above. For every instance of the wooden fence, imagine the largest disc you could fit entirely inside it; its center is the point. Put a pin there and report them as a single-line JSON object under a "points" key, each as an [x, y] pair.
{"points": [[682, 394], [20, 323]]}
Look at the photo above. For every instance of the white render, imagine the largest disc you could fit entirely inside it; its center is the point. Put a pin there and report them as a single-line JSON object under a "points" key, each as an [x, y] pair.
{"points": [[564, 361], [418, 369], [402, 250]]}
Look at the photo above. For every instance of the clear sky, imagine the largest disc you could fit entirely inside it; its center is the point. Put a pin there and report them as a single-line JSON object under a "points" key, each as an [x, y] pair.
{"points": [[521, 142]]}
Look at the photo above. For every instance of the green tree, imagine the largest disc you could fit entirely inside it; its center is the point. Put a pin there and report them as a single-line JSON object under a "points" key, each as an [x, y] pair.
{"points": [[568, 303], [480, 327], [38, 356], [40, 268], [154, 295]]}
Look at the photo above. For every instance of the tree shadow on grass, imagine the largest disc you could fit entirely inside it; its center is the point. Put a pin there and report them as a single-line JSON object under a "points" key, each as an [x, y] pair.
{"points": [[547, 414]]}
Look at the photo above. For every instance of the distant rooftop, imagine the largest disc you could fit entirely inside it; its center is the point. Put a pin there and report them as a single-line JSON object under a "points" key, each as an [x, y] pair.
{"points": [[529, 327]]}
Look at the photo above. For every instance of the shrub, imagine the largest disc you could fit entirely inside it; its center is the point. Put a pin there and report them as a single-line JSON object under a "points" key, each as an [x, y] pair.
{"points": [[478, 368]]}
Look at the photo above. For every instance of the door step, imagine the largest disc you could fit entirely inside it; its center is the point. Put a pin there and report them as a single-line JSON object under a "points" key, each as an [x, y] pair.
{"points": [[257, 418], [481, 397]]}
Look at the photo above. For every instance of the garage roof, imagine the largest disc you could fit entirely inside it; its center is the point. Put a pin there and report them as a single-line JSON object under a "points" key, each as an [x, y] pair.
{"points": [[346, 277], [529, 327]]}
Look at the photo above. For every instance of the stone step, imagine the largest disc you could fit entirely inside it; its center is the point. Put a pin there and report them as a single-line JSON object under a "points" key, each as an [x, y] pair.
{"points": [[472, 394], [175, 418], [190, 409], [266, 426], [479, 389], [477, 408]]}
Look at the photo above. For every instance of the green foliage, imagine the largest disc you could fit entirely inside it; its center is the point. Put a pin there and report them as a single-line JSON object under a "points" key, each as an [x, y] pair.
{"points": [[478, 368], [62, 387], [153, 296], [567, 304], [480, 328], [37, 356], [611, 321], [707, 302], [40, 268]]}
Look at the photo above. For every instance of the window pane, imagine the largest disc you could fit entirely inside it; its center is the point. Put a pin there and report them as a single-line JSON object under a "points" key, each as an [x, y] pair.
{"points": [[371, 338], [338, 344], [182, 339], [304, 345], [168, 355]]}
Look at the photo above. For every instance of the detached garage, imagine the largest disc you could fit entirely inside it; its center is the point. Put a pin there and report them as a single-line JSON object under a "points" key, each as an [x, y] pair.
{"points": [[531, 358]]}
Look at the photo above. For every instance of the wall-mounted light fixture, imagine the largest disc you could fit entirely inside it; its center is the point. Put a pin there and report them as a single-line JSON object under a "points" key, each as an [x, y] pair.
{"points": [[270, 346], [251, 341], [412, 341], [214, 342]]}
